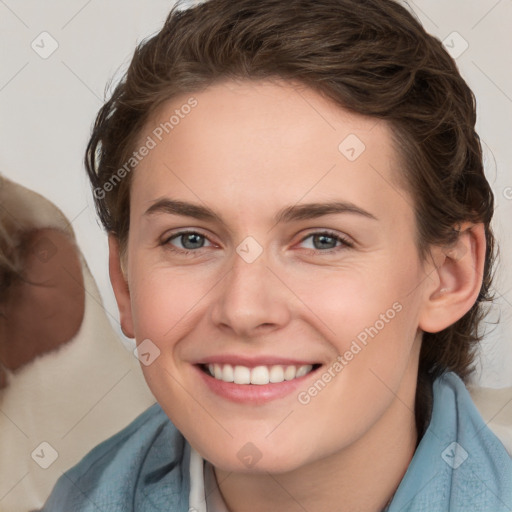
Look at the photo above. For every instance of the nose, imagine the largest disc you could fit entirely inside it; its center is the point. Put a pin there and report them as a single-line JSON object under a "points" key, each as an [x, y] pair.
{"points": [[252, 299]]}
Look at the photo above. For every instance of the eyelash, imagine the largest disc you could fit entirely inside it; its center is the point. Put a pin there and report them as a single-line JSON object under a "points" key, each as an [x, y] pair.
{"points": [[188, 252]]}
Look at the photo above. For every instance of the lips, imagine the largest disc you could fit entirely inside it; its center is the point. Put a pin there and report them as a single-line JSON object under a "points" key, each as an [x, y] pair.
{"points": [[254, 380], [257, 375]]}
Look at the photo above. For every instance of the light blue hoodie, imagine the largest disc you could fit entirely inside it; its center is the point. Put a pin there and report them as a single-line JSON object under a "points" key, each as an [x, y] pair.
{"points": [[459, 465]]}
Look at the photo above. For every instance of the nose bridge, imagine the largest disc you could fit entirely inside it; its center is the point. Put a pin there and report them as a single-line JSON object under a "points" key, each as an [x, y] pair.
{"points": [[250, 271], [250, 294]]}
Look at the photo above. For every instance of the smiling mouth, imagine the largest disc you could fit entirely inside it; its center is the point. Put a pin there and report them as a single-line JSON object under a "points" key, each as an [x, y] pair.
{"points": [[258, 375]]}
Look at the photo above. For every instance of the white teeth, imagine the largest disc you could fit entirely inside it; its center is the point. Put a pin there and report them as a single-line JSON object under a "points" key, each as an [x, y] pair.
{"points": [[242, 375], [276, 374], [228, 374], [303, 370], [259, 375], [290, 372]]}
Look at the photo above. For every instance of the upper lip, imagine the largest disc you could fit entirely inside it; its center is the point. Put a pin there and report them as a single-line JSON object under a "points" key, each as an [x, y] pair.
{"points": [[251, 362]]}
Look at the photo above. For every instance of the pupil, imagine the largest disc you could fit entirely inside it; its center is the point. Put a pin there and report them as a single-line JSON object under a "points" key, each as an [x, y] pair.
{"points": [[324, 237], [189, 238]]}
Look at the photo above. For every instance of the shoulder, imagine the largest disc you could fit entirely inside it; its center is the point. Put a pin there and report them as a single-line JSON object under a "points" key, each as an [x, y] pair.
{"points": [[142, 467], [471, 426], [480, 466], [459, 464]]}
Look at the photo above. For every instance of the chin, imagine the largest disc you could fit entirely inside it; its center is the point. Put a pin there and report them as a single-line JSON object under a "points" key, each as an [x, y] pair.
{"points": [[250, 459]]}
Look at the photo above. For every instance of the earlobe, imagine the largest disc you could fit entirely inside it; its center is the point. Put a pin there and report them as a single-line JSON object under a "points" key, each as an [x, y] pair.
{"points": [[457, 280], [120, 287]]}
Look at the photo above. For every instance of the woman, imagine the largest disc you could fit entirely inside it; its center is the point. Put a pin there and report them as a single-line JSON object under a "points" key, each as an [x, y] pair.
{"points": [[309, 352]]}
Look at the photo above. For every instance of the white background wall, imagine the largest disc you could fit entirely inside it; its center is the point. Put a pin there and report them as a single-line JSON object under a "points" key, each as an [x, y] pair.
{"points": [[47, 107]]}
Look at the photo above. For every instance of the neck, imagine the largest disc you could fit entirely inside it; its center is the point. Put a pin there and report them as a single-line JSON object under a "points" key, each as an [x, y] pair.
{"points": [[360, 478]]}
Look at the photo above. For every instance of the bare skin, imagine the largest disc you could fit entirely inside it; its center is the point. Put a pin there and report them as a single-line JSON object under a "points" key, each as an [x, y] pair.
{"points": [[45, 310], [247, 151]]}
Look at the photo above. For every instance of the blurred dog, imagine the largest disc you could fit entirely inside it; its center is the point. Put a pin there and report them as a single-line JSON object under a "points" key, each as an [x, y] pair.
{"points": [[66, 380]]}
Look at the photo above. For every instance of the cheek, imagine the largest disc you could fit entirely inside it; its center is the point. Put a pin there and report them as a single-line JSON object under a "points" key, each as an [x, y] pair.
{"points": [[163, 301], [370, 317], [349, 301]]}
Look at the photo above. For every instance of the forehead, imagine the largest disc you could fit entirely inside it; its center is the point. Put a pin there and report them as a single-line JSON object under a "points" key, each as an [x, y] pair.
{"points": [[263, 144]]}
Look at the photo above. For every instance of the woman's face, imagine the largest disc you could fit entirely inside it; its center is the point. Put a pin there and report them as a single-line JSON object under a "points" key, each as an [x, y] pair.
{"points": [[269, 240]]}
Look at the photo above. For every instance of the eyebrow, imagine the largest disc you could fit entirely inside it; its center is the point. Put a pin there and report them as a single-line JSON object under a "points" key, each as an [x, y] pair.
{"points": [[287, 214]]}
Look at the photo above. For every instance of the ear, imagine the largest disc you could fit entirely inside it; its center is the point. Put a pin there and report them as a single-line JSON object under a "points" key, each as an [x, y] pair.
{"points": [[120, 286], [456, 280]]}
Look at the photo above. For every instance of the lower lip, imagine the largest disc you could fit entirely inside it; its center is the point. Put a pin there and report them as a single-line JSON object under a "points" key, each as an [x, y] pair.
{"points": [[252, 393]]}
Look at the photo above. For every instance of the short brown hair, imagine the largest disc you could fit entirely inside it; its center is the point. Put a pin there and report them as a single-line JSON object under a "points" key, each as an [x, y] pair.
{"points": [[371, 57]]}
